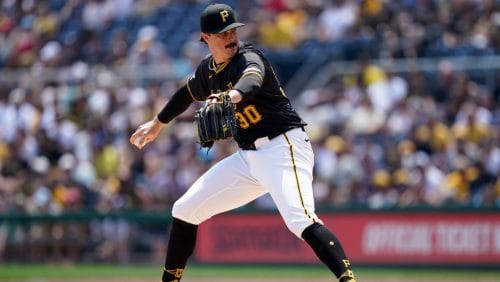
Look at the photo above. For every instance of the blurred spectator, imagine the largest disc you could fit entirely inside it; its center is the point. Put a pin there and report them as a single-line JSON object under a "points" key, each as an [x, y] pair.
{"points": [[284, 27], [148, 54], [336, 19], [50, 54], [97, 14], [147, 49], [23, 44], [118, 49], [46, 23]]}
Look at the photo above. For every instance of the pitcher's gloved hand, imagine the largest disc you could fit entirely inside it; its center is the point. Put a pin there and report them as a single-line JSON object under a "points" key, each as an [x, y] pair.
{"points": [[216, 120]]}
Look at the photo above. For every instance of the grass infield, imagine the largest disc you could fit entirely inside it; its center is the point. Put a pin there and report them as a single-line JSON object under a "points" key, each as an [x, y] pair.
{"points": [[24, 272]]}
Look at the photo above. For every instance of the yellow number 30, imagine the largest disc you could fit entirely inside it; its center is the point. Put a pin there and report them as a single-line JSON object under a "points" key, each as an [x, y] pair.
{"points": [[248, 116]]}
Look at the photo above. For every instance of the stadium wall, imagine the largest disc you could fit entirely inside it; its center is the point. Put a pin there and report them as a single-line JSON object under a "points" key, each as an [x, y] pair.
{"points": [[371, 238], [428, 237]]}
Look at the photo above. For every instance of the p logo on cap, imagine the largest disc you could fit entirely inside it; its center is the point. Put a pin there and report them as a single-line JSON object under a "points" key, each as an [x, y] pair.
{"points": [[224, 14]]}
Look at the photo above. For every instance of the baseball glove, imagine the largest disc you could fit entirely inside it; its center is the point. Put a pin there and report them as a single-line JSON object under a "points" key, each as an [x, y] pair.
{"points": [[216, 121]]}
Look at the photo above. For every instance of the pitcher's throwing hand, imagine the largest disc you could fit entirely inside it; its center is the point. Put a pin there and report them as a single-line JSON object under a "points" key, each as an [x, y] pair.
{"points": [[146, 133]]}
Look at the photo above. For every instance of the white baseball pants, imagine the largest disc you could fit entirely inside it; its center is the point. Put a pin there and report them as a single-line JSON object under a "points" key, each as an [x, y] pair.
{"points": [[282, 167]]}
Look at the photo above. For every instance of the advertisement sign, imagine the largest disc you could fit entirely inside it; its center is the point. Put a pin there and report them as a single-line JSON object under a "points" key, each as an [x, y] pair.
{"points": [[369, 238]]}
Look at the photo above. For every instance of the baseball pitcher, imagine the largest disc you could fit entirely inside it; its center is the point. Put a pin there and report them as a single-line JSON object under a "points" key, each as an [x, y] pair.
{"points": [[274, 156]]}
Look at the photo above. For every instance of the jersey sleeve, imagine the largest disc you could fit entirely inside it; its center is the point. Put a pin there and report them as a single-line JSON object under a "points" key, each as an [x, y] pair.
{"points": [[252, 75], [197, 84], [179, 103], [192, 91]]}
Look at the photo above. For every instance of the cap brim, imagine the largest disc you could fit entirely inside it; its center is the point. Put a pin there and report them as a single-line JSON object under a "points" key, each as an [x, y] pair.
{"points": [[231, 26]]}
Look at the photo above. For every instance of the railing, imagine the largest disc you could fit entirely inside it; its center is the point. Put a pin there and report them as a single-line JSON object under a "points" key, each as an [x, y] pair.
{"points": [[317, 70], [314, 70]]}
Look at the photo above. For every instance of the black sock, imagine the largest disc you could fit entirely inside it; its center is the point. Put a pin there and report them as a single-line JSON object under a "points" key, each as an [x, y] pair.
{"points": [[180, 247], [328, 249]]}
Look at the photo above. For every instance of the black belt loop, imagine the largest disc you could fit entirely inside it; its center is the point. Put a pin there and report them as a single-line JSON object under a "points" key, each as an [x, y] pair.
{"points": [[248, 147]]}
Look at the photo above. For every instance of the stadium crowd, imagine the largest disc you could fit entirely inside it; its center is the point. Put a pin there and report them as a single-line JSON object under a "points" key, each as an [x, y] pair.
{"points": [[87, 73]]}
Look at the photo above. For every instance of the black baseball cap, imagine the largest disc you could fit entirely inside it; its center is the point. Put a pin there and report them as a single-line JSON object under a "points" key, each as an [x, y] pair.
{"points": [[218, 18]]}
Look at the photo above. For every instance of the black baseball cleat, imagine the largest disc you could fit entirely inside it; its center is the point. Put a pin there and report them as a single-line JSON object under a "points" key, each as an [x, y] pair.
{"points": [[347, 276]]}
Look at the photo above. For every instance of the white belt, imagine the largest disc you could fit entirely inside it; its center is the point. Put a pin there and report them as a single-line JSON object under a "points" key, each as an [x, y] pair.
{"points": [[262, 141], [259, 142]]}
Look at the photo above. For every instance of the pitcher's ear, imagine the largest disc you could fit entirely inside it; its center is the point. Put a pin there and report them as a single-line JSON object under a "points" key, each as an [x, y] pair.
{"points": [[202, 37]]}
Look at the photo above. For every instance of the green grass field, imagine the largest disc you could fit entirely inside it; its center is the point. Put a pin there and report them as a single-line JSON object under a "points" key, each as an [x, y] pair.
{"points": [[59, 272]]}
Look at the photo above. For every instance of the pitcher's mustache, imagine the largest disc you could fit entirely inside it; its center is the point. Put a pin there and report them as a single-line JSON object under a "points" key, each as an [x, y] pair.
{"points": [[231, 45]]}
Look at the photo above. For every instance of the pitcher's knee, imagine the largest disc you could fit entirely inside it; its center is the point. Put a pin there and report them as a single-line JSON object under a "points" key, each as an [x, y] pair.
{"points": [[185, 213], [298, 227]]}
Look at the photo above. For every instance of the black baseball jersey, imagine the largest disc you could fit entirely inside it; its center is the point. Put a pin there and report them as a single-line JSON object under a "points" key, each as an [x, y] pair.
{"points": [[266, 112]]}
